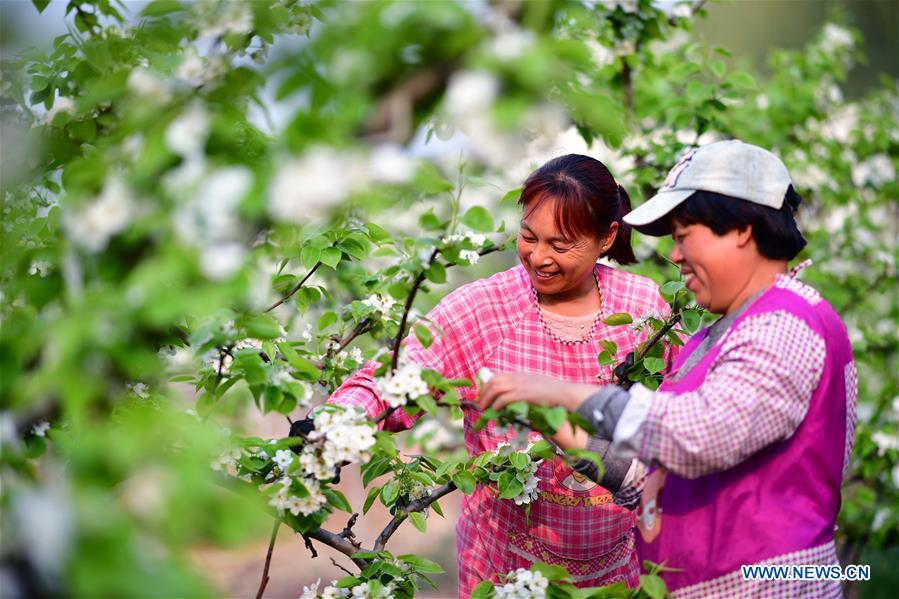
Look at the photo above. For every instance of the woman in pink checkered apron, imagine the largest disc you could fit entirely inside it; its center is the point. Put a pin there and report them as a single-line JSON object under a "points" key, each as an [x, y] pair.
{"points": [[544, 316]]}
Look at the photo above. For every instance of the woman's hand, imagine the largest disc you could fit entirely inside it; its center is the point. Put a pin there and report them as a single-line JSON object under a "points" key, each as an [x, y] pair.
{"points": [[538, 389]]}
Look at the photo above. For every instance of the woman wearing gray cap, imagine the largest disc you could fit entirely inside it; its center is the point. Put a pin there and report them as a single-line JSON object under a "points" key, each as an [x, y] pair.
{"points": [[749, 436]]}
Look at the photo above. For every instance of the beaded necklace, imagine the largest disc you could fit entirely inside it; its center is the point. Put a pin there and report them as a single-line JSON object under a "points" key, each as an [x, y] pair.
{"points": [[552, 333]]}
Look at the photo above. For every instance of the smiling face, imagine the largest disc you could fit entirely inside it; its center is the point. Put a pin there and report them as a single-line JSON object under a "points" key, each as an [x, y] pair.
{"points": [[560, 268], [715, 267]]}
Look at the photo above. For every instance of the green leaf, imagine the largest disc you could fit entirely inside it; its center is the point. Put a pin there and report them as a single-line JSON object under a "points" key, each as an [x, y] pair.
{"points": [[420, 564], [520, 460], [436, 273], [618, 318], [670, 289], [337, 499], [327, 319], [40, 5], [418, 521], [556, 417], [423, 335], [512, 196], [691, 320], [484, 590], [309, 256], [479, 219], [542, 449], [390, 492], [654, 365], [741, 79], [370, 499], [376, 233], [653, 586], [430, 222], [511, 487], [331, 257], [263, 326], [464, 481]]}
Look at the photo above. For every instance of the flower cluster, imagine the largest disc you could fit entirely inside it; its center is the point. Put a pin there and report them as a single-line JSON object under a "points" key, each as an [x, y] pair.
{"points": [[381, 304], [345, 436], [290, 496], [476, 239], [523, 584], [527, 476], [403, 385], [360, 591], [93, 225]]}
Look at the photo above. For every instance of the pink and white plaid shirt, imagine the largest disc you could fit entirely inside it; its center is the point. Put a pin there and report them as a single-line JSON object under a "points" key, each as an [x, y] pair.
{"points": [[495, 323]]}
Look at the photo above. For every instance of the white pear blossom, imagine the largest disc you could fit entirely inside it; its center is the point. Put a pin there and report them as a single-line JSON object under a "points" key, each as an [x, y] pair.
{"points": [[342, 436], [216, 19], [94, 224], [470, 94], [876, 170], [63, 104], [308, 188], [884, 441], [40, 267], [197, 71], [390, 164], [470, 256], [146, 84], [403, 385], [523, 584], [834, 37], [221, 261], [511, 43], [228, 460], [381, 303], [142, 390], [40, 429], [283, 458], [187, 134]]}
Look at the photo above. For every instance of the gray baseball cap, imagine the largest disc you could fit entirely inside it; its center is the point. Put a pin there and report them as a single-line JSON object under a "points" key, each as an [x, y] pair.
{"points": [[731, 168]]}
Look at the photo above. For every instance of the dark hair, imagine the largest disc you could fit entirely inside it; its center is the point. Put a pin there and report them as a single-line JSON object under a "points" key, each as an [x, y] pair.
{"points": [[587, 201], [775, 231]]}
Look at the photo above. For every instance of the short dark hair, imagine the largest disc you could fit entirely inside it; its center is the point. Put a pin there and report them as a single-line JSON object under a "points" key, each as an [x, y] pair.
{"points": [[587, 201], [775, 231]]}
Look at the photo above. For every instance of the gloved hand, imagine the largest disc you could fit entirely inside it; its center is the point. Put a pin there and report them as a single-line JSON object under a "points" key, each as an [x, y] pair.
{"points": [[621, 371]]}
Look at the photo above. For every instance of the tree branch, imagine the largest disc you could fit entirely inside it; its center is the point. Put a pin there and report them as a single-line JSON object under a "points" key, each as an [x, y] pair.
{"points": [[402, 330], [337, 542], [416, 506], [268, 559], [295, 289]]}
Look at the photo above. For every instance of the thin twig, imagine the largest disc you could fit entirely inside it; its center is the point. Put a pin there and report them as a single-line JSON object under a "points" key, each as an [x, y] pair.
{"points": [[416, 506], [309, 546], [334, 561], [659, 334], [295, 289], [337, 542], [402, 330], [347, 532], [268, 559]]}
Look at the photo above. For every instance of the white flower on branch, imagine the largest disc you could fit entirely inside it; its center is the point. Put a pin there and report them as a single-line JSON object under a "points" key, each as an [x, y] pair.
{"points": [[389, 164], [523, 584], [382, 304], [403, 385], [341, 436], [221, 261], [142, 390], [187, 134], [834, 37], [511, 43], [40, 429], [227, 461], [217, 19], [283, 458], [884, 442], [470, 256], [308, 188], [470, 94], [146, 84], [876, 170], [93, 225], [40, 267], [197, 71], [63, 104]]}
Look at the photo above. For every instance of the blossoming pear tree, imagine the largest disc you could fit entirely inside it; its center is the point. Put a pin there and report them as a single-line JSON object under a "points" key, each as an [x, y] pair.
{"points": [[220, 203]]}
